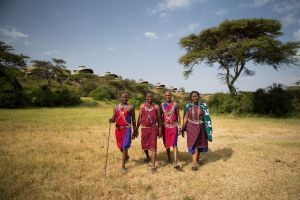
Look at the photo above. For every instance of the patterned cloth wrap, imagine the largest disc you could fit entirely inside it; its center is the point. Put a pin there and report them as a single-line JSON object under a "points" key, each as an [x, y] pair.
{"points": [[170, 124], [148, 127], [123, 127]]}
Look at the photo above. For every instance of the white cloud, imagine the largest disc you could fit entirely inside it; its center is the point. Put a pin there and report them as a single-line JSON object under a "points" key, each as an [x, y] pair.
{"points": [[12, 32], [27, 43], [169, 5], [150, 35], [221, 12], [176, 4], [191, 28], [287, 6], [111, 48], [51, 52], [261, 2], [289, 19], [297, 35]]}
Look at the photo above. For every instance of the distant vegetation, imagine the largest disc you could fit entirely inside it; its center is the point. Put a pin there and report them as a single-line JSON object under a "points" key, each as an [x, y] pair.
{"points": [[51, 84]]}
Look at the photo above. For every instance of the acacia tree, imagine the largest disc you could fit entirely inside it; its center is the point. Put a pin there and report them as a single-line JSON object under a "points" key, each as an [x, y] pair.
{"points": [[59, 70], [233, 44], [11, 91], [9, 59], [43, 70], [49, 71]]}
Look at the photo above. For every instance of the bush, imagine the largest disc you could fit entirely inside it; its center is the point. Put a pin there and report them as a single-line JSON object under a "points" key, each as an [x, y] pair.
{"points": [[136, 100], [100, 93], [45, 97], [11, 91], [225, 103], [67, 98], [273, 101]]}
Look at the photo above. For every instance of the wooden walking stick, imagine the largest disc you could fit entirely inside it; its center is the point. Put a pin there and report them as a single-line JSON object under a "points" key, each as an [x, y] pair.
{"points": [[107, 149]]}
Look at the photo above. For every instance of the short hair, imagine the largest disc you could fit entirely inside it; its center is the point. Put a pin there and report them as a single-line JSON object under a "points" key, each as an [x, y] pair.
{"points": [[124, 93], [149, 93], [168, 91], [192, 92]]}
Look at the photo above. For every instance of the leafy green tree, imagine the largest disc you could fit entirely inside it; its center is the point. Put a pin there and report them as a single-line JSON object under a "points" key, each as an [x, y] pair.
{"points": [[236, 42], [11, 91], [59, 70], [9, 59], [50, 71], [43, 70]]}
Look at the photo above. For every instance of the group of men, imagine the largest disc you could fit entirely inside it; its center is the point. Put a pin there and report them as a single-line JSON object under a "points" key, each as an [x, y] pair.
{"points": [[155, 121]]}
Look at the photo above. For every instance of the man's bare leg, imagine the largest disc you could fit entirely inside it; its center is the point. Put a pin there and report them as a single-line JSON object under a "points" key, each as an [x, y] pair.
{"points": [[124, 159], [153, 158], [169, 155]]}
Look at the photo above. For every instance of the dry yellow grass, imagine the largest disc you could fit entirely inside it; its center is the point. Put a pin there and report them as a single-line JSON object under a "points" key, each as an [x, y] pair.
{"points": [[59, 154]]}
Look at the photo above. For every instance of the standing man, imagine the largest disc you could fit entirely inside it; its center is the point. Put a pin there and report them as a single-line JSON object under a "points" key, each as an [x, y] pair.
{"points": [[124, 116], [149, 119], [171, 126]]}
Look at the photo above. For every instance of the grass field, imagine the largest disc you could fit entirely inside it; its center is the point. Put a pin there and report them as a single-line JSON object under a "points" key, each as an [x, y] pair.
{"points": [[60, 153]]}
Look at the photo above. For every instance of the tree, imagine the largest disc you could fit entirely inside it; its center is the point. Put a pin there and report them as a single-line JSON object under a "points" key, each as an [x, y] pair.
{"points": [[43, 70], [9, 59], [234, 43], [11, 91], [48, 70], [59, 70]]}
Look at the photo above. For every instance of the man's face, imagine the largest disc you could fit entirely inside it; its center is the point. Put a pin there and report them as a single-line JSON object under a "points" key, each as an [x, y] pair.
{"points": [[149, 98], [168, 96], [124, 98]]}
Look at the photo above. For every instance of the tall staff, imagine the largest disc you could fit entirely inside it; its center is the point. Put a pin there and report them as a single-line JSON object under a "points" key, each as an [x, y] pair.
{"points": [[107, 146]]}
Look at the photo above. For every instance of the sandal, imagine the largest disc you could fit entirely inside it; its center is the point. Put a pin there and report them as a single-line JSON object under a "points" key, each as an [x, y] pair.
{"points": [[176, 166], [153, 170], [124, 170], [147, 160], [194, 168]]}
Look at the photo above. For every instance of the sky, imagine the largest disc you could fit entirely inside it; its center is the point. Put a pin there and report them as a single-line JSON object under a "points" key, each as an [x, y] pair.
{"points": [[139, 39]]}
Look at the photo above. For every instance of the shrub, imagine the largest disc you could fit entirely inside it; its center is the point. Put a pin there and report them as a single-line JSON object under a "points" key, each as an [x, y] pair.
{"points": [[225, 103], [67, 98], [272, 101], [136, 100], [45, 97], [11, 92], [100, 93]]}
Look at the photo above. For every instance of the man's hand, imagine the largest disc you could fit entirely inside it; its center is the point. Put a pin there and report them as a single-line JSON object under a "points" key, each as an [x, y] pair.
{"points": [[135, 134], [182, 133]]}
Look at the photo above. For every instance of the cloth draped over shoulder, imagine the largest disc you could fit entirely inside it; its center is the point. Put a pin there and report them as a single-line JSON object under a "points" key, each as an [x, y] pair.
{"points": [[170, 124], [149, 127], [206, 118]]}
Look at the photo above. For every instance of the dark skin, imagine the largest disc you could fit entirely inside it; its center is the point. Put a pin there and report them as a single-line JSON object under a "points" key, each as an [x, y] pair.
{"points": [[195, 100], [168, 99], [131, 110], [149, 102]]}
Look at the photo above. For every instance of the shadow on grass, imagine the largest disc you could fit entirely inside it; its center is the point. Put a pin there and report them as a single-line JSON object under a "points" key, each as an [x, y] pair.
{"points": [[185, 158]]}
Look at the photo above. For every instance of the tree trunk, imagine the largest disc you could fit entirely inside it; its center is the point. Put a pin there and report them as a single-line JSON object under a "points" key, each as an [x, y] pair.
{"points": [[232, 89]]}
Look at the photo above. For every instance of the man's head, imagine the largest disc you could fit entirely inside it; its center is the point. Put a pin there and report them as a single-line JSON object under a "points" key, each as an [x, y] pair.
{"points": [[168, 96], [124, 98], [149, 97]]}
